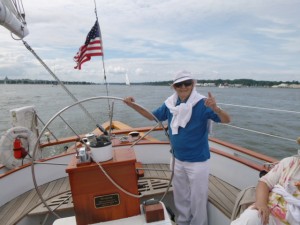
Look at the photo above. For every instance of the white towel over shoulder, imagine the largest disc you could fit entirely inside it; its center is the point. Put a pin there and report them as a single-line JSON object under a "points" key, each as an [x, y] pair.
{"points": [[183, 112]]}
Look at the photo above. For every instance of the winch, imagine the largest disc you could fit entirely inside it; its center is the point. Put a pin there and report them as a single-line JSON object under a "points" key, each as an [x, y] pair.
{"points": [[98, 148]]}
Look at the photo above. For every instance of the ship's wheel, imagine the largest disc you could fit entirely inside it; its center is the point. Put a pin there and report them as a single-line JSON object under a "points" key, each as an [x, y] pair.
{"points": [[63, 113]]}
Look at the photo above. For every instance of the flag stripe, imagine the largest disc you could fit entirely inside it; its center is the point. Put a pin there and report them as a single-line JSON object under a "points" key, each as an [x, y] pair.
{"points": [[92, 47], [90, 53]]}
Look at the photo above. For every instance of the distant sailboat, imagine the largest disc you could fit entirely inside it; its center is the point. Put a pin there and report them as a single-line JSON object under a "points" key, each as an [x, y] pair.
{"points": [[127, 82], [5, 80]]}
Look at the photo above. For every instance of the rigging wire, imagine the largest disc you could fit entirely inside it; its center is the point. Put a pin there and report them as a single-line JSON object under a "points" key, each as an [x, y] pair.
{"points": [[258, 132], [103, 64], [255, 107], [58, 80], [261, 108]]}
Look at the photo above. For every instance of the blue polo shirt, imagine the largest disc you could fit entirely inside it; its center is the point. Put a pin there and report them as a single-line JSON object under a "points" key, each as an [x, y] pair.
{"points": [[191, 142]]}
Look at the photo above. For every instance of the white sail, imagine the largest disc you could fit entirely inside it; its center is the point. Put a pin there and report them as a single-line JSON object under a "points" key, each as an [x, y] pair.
{"points": [[12, 20], [127, 80]]}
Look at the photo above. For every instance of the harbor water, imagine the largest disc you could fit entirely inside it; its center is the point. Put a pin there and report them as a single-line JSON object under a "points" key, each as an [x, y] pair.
{"points": [[273, 113]]}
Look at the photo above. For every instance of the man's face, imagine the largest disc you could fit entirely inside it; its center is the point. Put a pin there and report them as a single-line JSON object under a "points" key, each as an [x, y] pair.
{"points": [[184, 89]]}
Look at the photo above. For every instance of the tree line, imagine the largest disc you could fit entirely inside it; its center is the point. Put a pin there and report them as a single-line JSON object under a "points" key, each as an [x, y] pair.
{"points": [[51, 82], [217, 82], [243, 82]]}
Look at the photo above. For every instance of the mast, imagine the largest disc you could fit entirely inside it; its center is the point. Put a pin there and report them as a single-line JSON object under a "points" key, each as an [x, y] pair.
{"points": [[127, 82], [103, 65]]}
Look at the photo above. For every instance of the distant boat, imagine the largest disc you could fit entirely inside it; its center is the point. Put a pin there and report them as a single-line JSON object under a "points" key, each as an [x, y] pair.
{"points": [[223, 86], [127, 82]]}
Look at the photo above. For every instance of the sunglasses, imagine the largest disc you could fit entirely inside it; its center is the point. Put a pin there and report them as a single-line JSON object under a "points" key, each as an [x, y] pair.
{"points": [[186, 83]]}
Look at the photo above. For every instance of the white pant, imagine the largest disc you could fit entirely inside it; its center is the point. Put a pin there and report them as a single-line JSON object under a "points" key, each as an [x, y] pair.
{"points": [[190, 187], [251, 217]]}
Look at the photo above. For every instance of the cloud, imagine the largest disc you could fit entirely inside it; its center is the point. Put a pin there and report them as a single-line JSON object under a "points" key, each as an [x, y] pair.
{"points": [[139, 71], [116, 70], [151, 40]]}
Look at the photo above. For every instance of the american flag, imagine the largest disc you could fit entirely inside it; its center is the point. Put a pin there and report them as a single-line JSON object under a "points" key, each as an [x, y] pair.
{"points": [[91, 47]]}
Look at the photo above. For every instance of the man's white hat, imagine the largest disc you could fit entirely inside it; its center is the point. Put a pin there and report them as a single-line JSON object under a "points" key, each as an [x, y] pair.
{"points": [[182, 76]]}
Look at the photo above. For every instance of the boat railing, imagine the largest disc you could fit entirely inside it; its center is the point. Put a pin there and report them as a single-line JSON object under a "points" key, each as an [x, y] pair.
{"points": [[260, 108], [240, 152], [269, 134]]}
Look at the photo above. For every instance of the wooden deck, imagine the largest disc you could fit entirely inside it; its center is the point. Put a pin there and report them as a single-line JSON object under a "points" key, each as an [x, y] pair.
{"points": [[58, 195], [221, 194], [15, 210]]}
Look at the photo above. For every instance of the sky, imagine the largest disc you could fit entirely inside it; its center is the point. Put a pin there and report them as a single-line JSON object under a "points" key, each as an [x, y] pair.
{"points": [[151, 40]]}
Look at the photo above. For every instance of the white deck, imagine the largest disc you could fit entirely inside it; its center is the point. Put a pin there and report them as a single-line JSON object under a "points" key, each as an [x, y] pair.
{"points": [[136, 220]]}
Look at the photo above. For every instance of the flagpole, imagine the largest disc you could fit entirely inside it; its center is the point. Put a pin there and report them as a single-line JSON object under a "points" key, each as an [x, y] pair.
{"points": [[103, 65]]}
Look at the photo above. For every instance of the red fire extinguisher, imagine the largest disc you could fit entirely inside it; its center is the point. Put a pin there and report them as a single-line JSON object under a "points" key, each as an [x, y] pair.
{"points": [[19, 151]]}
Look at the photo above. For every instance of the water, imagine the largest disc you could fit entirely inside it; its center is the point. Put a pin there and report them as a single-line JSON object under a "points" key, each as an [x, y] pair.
{"points": [[49, 99]]}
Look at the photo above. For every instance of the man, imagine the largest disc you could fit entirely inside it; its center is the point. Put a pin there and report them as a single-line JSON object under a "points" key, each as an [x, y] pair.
{"points": [[189, 115]]}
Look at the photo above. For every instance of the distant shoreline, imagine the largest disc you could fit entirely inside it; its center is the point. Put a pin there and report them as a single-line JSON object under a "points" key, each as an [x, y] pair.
{"points": [[292, 86], [237, 83]]}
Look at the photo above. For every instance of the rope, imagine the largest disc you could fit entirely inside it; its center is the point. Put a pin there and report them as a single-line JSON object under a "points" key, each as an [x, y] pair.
{"points": [[116, 185]]}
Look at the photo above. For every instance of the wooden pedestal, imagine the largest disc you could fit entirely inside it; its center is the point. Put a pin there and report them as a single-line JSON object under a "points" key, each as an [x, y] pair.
{"points": [[95, 198]]}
